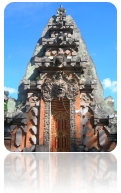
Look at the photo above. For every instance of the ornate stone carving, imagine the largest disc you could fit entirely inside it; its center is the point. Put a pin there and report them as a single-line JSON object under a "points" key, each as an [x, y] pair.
{"points": [[73, 89], [58, 60], [59, 88], [67, 51], [60, 38], [86, 99], [34, 100], [61, 11], [26, 84], [60, 17], [47, 123], [46, 89], [60, 85], [72, 124]]}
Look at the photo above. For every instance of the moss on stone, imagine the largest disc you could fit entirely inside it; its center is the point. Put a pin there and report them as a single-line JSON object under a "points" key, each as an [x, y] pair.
{"points": [[30, 71]]}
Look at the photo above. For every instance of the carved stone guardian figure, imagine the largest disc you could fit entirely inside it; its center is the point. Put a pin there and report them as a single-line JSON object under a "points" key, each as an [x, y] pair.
{"points": [[59, 59], [60, 85]]}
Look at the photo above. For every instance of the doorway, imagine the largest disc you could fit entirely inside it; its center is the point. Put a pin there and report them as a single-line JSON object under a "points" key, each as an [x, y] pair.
{"points": [[60, 125]]}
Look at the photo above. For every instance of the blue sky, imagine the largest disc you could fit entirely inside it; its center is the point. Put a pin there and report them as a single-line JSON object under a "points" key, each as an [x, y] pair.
{"points": [[23, 26]]}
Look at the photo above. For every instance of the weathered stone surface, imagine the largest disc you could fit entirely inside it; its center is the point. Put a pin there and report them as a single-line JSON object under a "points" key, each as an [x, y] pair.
{"points": [[18, 137], [26, 150], [35, 111], [12, 127], [24, 121], [34, 129], [61, 67], [11, 105], [24, 128], [34, 119], [90, 72], [34, 140], [42, 148], [102, 137]]}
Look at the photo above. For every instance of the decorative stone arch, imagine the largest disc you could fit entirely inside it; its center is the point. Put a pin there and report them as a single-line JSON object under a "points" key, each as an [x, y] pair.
{"points": [[59, 85]]}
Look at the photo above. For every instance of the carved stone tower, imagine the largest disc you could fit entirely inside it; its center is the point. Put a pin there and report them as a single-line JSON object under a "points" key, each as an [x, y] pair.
{"points": [[60, 106]]}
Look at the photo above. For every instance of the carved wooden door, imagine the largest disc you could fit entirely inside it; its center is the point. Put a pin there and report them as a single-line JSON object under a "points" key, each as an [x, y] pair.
{"points": [[60, 125]]}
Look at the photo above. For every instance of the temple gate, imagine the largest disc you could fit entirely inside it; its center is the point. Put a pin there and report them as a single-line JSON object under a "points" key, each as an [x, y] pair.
{"points": [[60, 105]]}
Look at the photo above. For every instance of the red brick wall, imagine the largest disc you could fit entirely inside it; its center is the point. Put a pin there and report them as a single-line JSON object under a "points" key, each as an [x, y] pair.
{"points": [[78, 119]]}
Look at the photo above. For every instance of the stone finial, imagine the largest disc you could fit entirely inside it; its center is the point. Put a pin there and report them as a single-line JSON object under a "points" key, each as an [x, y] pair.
{"points": [[61, 11]]}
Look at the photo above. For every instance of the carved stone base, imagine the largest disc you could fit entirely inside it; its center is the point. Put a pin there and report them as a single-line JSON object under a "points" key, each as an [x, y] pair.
{"points": [[72, 147], [42, 148]]}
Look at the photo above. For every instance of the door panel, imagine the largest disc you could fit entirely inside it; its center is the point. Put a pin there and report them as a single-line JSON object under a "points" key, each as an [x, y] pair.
{"points": [[60, 127]]}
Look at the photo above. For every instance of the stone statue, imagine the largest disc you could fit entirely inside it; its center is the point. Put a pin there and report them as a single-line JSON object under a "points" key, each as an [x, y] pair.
{"points": [[59, 60], [61, 11]]}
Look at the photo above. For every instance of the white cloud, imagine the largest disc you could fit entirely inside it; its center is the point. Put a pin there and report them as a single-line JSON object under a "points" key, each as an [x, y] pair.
{"points": [[112, 85], [11, 90]]}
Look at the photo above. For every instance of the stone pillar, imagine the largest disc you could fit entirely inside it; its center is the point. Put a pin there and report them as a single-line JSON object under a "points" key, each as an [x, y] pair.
{"points": [[78, 120], [41, 126], [47, 124], [72, 126]]}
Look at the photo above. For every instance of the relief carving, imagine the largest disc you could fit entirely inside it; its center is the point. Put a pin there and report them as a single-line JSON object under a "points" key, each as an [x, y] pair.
{"points": [[61, 11], [61, 51], [72, 89], [57, 86], [72, 124], [60, 85], [86, 99], [60, 17], [46, 123], [60, 38], [34, 100], [59, 60]]}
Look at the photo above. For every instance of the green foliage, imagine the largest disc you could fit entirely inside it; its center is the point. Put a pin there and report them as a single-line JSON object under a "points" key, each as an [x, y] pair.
{"points": [[5, 106], [38, 78]]}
